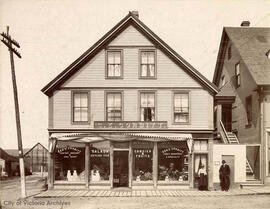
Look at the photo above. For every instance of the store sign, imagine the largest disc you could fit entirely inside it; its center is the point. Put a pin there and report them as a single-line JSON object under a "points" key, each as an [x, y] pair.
{"points": [[99, 153], [69, 152], [131, 124], [172, 152], [143, 153]]}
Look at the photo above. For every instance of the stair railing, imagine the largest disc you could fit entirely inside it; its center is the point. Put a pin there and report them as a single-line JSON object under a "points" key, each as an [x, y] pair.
{"points": [[223, 133]]}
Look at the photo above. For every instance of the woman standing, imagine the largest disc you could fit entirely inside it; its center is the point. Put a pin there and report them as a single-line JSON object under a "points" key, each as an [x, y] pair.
{"points": [[202, 178]]}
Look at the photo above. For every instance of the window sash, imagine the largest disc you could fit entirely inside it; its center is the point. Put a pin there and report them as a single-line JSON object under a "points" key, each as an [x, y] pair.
{"points": [[80, 107], [181, 108], [147, 64], [147, 106], [114, 64], [237, 74], [114, 107]]}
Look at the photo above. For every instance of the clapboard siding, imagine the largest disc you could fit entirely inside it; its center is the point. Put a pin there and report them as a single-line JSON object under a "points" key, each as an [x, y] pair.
{"points": [[200, 101], [239, 117], [169, 74], [130, 37]]}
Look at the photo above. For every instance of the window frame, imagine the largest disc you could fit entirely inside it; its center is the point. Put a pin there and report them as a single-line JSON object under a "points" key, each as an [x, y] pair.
{"points": [[189, 108], [121, 92], [107, 63], [139, 104], [140, 64], [237, 76], [248, 114], [88, 106]]}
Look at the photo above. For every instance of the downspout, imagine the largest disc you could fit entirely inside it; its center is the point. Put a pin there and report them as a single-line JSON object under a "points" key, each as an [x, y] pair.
{"points": [[262, 105]]}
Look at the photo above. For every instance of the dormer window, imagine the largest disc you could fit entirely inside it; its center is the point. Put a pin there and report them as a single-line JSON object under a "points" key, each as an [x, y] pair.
{"points": [[237, 75]]}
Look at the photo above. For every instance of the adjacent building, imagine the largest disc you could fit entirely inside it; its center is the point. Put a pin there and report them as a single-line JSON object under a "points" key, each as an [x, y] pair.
{"points": [[242, 108], [130, 112]]}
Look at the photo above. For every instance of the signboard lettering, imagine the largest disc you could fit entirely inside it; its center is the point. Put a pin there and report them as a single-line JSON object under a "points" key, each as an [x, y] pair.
{"points": [[131, 125]]}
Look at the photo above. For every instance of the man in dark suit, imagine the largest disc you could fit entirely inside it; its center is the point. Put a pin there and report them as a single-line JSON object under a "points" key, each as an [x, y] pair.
{"points": [[224, 176]]}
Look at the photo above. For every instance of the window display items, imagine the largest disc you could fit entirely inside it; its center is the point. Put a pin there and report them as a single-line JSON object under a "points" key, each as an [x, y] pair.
{"points": [[143, 163]]}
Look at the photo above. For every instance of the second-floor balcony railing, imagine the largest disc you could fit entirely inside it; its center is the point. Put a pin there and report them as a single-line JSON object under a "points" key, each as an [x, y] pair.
{"points": [[130, 124]]}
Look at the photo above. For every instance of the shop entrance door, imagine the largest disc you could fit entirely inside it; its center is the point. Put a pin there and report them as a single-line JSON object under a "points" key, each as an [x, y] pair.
{"points": [[120, 168]]}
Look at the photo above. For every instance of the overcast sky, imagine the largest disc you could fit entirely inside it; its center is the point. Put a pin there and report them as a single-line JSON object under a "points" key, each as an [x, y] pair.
{"points": [[53, 33]]}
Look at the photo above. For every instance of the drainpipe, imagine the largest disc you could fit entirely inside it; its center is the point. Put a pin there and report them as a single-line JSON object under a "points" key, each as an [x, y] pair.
{"points": [[263, 165]]}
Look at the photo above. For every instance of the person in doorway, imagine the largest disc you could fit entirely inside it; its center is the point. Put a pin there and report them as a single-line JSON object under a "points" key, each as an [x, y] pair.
{"points": [[224, 176], [202, 178]]}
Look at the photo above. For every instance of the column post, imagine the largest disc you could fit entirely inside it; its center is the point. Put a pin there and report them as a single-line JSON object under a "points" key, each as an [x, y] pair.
{"points": [[50, 170], [190, 169], [210, 169], [130, 161], [111, 164], [87, 164], [155, 165]]}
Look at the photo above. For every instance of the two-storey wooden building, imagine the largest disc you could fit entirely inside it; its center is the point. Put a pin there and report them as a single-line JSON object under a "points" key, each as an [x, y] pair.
{"points": [[129, 112], [242, 105]]}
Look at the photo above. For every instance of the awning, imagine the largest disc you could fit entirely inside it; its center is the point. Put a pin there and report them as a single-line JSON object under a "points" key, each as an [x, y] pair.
{"points": [[164, 136]]}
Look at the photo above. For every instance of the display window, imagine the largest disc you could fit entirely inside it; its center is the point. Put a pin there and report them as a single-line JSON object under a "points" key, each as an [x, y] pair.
{"points": [[100, 161], [142, 161], [172, 161], [69, 164]]}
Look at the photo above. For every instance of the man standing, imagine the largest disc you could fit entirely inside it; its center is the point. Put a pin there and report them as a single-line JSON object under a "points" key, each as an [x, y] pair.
{"points": [[224, 176]]}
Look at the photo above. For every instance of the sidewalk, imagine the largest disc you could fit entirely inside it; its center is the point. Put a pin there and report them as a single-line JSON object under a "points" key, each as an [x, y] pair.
{"points": [[151, 193]]}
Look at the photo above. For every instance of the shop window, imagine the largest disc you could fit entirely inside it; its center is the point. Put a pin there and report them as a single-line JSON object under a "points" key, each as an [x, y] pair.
{"points": [[148, 64], [147, 106], [142, 161], [172, 161], [100, 161], [181, 108], [114, 66], [114, 106], [200, 145], [69, 164], [80, 107]]}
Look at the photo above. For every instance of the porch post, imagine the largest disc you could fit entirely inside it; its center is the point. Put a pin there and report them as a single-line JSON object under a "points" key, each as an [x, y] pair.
{"points": [[210, 164], [111, 164], [190, 170], [155, 165], [50, 170], [219, 116], [87, 164], [130, 161]]}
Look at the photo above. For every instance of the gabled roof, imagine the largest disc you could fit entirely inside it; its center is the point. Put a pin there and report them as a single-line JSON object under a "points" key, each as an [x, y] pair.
{"points": [[34, 147], [15, 152], [252, 44], [118, 28], [7, 157]]}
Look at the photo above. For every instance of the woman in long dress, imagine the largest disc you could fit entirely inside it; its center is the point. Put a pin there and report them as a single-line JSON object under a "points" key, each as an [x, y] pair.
{"points": [[202, 178]]}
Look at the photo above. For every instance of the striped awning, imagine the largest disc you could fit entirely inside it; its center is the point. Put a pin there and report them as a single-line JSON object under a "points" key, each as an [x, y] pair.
{"points": [[165, 136]]}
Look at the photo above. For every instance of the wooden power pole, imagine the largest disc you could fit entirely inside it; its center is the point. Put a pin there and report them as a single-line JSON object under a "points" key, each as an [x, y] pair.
{"points": [[9, 42]]}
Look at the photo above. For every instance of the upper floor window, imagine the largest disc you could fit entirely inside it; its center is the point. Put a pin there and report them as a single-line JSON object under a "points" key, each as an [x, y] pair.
{"points": [[148, 68], [229, 52], [114, 64], [80, 110], [181, 107], [237, 75], [114, 106], [249, 109], [147, 106]]}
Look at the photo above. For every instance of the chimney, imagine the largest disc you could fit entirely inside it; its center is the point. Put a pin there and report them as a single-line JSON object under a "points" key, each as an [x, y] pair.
{"points": [[245, 23], [135, 13]]}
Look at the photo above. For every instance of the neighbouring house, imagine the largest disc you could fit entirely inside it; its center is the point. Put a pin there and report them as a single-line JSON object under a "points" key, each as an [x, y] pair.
{"points": [[242, 106], [8, 163], [36, 159], [130, 112]]}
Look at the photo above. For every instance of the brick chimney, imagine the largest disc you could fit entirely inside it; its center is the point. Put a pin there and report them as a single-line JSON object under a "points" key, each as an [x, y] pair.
{"points": [[245, 23], [135, 13]]}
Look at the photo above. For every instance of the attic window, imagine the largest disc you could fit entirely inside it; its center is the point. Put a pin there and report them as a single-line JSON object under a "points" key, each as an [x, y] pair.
{"points": [[268, 54]]}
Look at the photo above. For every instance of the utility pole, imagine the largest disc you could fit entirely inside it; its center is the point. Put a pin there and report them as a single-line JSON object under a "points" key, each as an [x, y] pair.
{"points": [[8, 41]]}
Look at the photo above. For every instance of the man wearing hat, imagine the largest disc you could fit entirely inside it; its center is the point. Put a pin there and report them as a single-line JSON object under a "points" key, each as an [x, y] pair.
{"points": [[224, 176]]}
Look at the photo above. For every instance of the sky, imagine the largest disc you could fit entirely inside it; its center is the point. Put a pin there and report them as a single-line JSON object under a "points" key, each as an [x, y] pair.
{"points": [[53, 33]]}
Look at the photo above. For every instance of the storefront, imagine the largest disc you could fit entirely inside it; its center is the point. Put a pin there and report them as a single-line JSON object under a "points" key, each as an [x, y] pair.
{"points": [[134, 160]]}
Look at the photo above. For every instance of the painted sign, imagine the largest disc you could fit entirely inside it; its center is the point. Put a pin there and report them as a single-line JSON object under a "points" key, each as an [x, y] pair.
{"points": [[131, 124], [172, 152], [142, 153], [69, 152], [99, 153]]}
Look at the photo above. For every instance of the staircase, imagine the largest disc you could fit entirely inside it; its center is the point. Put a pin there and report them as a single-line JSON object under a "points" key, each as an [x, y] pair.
{"points": [[231, 138]]}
